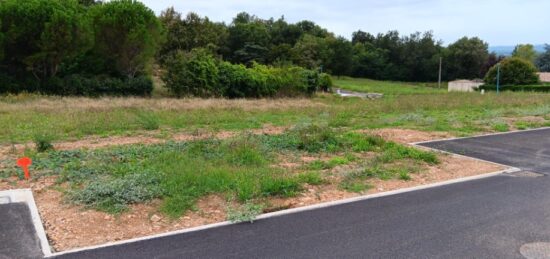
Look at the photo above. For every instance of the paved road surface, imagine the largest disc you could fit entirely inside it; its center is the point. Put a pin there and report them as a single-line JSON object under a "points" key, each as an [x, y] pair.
{"points": [[487, 218], [17, 234]]}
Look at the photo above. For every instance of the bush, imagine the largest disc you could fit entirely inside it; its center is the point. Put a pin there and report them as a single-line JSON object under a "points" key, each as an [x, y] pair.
{"points": [[517, 88], [245, 213], [315, 137], [241, 82], [192, 73], [43, 142], [325, 82], [114, 195], [98, 86], [513, 71], [198, 73]]}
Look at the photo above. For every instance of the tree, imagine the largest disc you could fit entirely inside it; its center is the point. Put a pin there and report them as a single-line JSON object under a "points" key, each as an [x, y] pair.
{"points": [[362, 37], [311, 52], [248, 40], [543, 60], [465, 58], [1, 43], [88, 2], [41, 34], [127, 33], [420, 57], [341, 57], [513, 71], [189, 33], [491, 61], [284, 33], [526, 52], [368, 61]]}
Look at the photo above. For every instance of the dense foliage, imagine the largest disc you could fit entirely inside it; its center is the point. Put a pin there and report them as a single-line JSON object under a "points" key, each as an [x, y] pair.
{"points": [[87, 47], [543, 60], [526, 52], [199, 73], [513, 71], [68, 48], [390, 56]]}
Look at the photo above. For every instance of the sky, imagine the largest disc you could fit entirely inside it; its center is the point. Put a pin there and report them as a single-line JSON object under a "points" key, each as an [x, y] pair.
{"points": [[498, 22]]}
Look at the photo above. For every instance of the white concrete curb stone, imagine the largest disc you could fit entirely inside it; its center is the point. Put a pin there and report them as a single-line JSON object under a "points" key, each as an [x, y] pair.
{"points": [[25, 196]]}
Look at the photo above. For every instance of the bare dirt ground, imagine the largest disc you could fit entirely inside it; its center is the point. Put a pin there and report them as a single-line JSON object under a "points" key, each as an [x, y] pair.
{"points": [[69, 226]]}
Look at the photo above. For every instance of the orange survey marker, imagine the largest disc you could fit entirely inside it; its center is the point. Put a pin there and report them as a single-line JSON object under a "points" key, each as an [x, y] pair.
{"points": [[24, 163]]}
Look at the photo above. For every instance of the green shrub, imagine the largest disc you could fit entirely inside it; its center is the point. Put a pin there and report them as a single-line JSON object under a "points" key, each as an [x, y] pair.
{"points": [[43, 142], [241, 82], [148, 120], [518, 88], [325, 82], [192, 73], [314, 137], [286, 187], [245, 151], [394, 151], [198, 73], [513, 71], [101, 85], [115, 194], [244, 213]]}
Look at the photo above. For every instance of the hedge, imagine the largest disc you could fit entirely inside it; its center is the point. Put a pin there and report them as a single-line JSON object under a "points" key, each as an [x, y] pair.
{"points": [[198, 73], [79, 85], [517, 88]]}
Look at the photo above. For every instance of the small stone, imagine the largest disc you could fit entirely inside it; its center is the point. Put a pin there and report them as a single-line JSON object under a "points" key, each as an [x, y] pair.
{"points": [[155, 218], [107, 217]]}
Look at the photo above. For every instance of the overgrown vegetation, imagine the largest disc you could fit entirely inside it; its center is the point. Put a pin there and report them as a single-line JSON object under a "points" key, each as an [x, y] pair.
{"points": [[404, 106], [240, 168], [513, 71], [64, 48], [198, 73], [95, 48]]}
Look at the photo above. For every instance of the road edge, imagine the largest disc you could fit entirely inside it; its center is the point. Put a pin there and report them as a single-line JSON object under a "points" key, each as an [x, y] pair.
{"points": [[293, 210]]}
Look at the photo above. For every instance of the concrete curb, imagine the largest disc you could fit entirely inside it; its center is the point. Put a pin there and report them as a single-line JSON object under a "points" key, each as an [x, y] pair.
{"points": [[25, 195], [294, 210]]}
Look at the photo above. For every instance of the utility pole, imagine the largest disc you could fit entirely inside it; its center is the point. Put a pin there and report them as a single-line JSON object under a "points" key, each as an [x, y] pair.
{"points": [[439, 81], [498, 78]]}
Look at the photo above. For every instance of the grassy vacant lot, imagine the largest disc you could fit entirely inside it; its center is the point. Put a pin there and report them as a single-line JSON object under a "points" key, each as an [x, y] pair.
{"points": [[248, 168], [244, 168], [405, 105]]}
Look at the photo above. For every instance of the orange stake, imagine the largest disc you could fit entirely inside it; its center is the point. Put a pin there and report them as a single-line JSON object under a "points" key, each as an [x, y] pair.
{"points": [[24, 163]]}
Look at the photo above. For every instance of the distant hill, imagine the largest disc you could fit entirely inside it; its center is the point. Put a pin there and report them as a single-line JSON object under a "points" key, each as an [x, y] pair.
{"points": [[507, 50]]}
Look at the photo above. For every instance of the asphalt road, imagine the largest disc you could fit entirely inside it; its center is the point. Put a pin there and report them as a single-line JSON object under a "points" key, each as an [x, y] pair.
{"points": [[486, 218], [17, 234], [529, 150]]}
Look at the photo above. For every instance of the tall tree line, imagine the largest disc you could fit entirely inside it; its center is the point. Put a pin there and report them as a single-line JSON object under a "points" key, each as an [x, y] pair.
{"points": [[387, 56], [91, 47]]}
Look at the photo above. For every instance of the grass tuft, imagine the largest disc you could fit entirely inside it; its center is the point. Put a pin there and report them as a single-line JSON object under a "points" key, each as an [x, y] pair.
{"points": [[43, 142]]}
